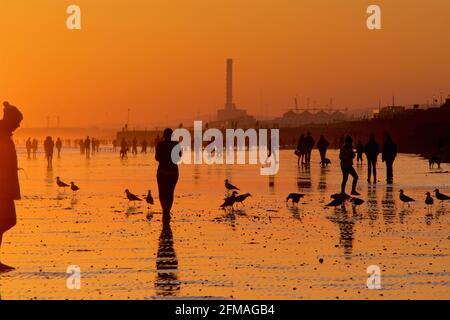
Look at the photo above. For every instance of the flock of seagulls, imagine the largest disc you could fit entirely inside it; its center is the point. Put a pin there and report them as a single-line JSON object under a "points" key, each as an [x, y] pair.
{"points": [[429, 201], [337, 199], [235, 198]]}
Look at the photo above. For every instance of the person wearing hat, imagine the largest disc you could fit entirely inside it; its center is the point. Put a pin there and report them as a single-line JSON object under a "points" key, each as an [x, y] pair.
{"points": [[9, 180]]}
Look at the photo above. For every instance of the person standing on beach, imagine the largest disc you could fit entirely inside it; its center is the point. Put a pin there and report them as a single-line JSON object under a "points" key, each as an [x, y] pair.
{"points": [[309, 145], [28, 146], [300, 151], [167, 174], [59, 146], [372, 149], [388, 156], [87, 147], [346, 156], [322, 145], [9, 180], [49, 146], [34, 146], [359, 152]]}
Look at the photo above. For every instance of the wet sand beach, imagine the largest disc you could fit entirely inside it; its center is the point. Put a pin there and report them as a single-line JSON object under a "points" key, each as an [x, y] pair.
{"points": [[265, 250]]}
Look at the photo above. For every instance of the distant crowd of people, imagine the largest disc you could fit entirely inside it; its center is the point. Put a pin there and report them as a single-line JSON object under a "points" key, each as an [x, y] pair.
{"points": [[348, 152]]}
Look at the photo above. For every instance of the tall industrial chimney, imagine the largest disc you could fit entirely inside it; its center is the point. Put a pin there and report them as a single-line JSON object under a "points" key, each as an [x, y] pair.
{"points": [[229, 103]]}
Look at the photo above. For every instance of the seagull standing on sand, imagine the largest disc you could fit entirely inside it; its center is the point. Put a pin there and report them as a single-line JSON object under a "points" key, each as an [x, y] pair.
{"points": [[132, 197], [229, 201], [338, 200], [429, 200], [295, 197], [149, 199], [356, 201], [61, 184], [404, 198], [440, 196], [74, 187], [241, 198], [229, 186]]}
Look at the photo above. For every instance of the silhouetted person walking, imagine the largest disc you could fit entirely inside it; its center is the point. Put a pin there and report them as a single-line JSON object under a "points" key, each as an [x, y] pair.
{"points": [[322, 145], [372, 149], [28, 146], [309, 145], [134, 146], [167, 174], [34, 147], [388, 156], [346, 156], [359, 152], [144, 146], [123, 149], [9, 180], [49, 145], [300, 151], [59, 146], [87, 147]]}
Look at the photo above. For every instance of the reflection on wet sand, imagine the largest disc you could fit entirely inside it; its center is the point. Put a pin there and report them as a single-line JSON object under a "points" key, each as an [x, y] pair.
{"points": [[166, 283], [372, 204], [388, 205], [304, 178], [322, 187], [346, 225]]}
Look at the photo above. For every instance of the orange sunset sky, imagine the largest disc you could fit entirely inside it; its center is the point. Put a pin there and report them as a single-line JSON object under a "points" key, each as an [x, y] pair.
{"points": [[165, 59]]}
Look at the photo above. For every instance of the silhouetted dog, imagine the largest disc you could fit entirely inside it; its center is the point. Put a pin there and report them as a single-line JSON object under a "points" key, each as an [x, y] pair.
{"points": [[434, 160], [325, 162]]}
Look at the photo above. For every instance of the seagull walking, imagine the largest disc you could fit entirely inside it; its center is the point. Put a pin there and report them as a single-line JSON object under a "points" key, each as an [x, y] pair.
{"points": [[132, 197], [294, 197], [404, 198], [356, 201], [229, 201], [440, 196], [74, 187], [61, 184], [335, 203], [229, 186], [241, 198], [149, 199], [429, 200]]}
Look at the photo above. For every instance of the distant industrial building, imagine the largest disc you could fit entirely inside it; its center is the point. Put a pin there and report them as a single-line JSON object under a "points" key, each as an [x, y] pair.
{"points": [[230, 115]]}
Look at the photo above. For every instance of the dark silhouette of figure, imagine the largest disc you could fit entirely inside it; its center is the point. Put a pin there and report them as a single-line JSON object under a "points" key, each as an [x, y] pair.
{"points": [[359, 152], [49, 146], [157, 139], [87, 147], [167, 174], [372, 149], [300, 151], [309, 145], [81, 145], [134, 146], [28, 145], [144, 145], [346, 156], [58, 145], [34, 147], [9, 181], [388, 156], [93, 146], [114, 144], [322, 145], [123, 149], [167, 283]]}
